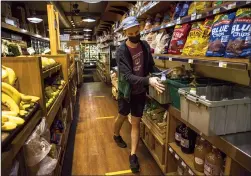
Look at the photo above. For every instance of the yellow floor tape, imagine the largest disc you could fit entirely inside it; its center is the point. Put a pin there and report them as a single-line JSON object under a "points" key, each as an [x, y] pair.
{"points": [[109, 117], [99, 96], [119, 172]]}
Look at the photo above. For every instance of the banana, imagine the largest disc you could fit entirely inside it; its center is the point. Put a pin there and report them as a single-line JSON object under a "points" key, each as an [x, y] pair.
{"points": [[10, 103], [16, 120], [23, 112], [4, 119], [4, 73], [8, 126], [29, 98], [11, 75], [25, 106], [12, 92], [12, 113]]}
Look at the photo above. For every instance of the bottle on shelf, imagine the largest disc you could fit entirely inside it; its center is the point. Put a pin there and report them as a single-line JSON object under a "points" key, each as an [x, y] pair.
{"points": [[200, 152], [187, 141], [213, 163], [179, 130]]}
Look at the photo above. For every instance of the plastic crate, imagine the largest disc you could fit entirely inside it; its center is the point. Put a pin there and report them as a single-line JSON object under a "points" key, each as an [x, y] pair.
{"points": [[231, 114]]}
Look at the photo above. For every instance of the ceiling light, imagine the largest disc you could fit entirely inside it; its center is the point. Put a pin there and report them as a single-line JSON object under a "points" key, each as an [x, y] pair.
{"points": [[88, 20], [34, 19], [91, 1], [87, 35], [87, 30]]}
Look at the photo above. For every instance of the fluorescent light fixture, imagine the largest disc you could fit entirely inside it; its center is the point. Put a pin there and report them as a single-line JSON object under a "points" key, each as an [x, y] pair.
{"points": [[91, 1], [35, 19], [87, 30], [88, 20]]}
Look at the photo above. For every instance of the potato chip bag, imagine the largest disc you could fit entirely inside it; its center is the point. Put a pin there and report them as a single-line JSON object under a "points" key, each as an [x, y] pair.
{"points": [[197, 40]]}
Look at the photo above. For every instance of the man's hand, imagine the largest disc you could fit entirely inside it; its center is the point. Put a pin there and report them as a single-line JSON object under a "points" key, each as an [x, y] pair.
{"points": [[155, 82]]}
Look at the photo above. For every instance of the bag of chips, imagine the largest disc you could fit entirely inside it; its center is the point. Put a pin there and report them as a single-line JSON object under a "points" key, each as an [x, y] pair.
{"points": [[220, 34], [197, 40], [198, 7], [179, 38], [184, 9], [177, 10], [239, 44], [162, 39]]}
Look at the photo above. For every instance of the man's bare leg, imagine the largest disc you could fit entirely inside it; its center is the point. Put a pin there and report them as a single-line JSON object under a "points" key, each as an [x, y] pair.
{"points": [[135, 133], [117, 127]]}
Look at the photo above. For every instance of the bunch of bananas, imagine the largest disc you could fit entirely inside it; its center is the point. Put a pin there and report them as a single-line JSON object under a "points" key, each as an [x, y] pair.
{"points": [[8, 75], [47, 62], [52, 91], [15, 104]]}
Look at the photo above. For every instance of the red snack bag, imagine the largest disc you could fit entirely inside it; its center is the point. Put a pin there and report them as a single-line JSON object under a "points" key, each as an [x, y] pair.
{"points": [[179, 38]]}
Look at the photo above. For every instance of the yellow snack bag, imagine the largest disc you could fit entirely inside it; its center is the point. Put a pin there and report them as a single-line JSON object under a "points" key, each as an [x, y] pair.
{"points": [[198, 38]]}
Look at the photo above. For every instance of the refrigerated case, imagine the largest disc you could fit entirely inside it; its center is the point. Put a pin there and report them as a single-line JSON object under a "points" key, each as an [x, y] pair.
{"points": [[89, 53]]}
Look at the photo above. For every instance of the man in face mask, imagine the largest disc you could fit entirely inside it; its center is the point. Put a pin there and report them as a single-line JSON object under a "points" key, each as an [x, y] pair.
{"points": [[134, 62]]}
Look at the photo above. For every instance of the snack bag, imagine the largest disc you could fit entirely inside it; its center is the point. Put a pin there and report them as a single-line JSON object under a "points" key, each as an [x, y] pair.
{"points": [[179, 38], [184, 9], [177, 10], [198, 7], [162, 39], [239, 44], [192, 8], [197, 40], [216, 3], [220, 34]]}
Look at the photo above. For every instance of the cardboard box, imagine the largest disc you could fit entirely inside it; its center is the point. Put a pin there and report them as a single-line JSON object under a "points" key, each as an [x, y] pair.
{"points": [[6, 9]]}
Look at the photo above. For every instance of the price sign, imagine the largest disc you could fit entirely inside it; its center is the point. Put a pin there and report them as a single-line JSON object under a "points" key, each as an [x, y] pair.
{"points": [[31, 50], [190, 61], [171, 150], [216, 11], [177, 157], [199, 16], [170, 59], [231, 6], [193, 16], [178, 21], [223, 64]]}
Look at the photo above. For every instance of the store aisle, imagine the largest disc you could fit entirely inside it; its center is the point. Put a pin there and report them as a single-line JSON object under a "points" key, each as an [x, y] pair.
{"points": [[95, 153]]}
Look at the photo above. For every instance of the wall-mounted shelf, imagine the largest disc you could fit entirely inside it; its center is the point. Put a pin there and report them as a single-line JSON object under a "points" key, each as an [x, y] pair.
{"points": [[232, 63], [194, 17], [22, 31]]}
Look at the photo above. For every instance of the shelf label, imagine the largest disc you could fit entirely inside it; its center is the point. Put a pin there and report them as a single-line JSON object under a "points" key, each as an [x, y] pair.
{"points": [[223, 64], [183, 164], [178, 21], [31, 50], [171, 150], [231, 6], [199, 16], [170, 59], [176, 156], [216, 11], [193, 16], [190, 61]]}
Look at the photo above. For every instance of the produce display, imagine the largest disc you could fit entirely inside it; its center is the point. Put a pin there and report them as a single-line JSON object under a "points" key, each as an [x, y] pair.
{"points": [[47, 62], [11, 48], [52, 89], [15, 105]]}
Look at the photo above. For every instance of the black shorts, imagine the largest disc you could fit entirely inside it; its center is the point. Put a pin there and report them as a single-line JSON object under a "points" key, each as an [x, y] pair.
{"points": [[135, 107]]}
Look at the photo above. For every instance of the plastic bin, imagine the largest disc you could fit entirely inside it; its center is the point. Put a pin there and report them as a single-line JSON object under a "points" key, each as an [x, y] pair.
{"points": [[162, 98], [231, 114]]}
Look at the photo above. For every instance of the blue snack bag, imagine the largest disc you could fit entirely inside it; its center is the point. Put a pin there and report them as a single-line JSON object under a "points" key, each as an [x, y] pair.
{"points": [[220, 35], [184, 10], [177, 10], [239, 44]]}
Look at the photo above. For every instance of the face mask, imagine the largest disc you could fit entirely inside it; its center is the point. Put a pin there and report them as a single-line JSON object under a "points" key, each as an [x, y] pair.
{"points": [[134, 39]]}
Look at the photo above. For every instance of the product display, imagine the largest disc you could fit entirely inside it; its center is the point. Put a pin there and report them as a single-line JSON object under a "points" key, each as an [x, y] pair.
{"points": [[179, 38], [220, 34], [187, 140], [178, 133], [239, 44], [197, 40]]}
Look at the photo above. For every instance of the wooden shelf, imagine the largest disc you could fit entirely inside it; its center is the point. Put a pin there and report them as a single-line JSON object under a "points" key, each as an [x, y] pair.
{"points": [[47, 73], [188, 159], [194, 17], [56, 105], [22, 31], [162, 167], [221, 62]]}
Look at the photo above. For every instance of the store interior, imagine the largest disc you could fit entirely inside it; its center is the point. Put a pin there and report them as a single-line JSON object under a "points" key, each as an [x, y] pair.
{"points": [[60, 88]]}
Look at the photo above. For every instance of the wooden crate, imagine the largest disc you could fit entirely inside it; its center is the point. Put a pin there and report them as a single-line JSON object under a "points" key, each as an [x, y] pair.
{"points": [[160, 151]]}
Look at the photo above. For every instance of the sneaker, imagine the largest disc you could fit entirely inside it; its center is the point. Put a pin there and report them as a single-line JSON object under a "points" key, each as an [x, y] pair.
{"points": [[134, 163], [120, 142]]}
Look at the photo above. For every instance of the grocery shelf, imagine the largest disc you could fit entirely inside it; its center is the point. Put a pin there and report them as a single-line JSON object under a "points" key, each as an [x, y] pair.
{"points": [[17, 143], [56, 105], [237, 146], [232, 63], [47, 73], [188, 159], [22, 31], [152, 6], [194, 17], [162, 167]]}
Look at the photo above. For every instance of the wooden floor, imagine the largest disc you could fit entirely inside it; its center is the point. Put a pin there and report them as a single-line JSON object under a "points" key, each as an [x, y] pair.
{"points": [[95, 152]]}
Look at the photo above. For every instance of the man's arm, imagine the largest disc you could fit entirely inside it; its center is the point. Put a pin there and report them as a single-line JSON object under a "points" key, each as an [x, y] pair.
{"points": [[125, 69]]}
